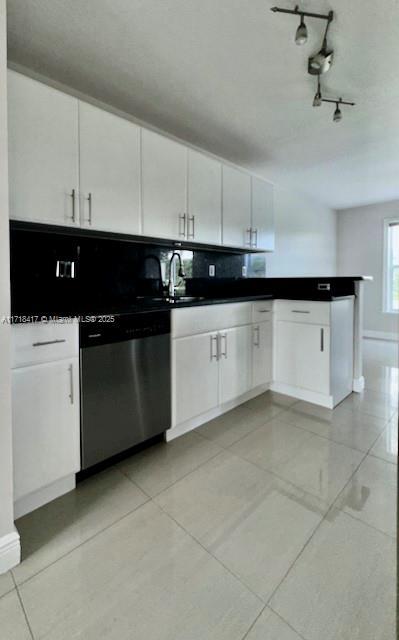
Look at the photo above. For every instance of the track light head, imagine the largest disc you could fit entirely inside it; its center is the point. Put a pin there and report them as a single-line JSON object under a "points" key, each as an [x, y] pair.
{"points": [[301, 35], [337, 117], [318, 99]]}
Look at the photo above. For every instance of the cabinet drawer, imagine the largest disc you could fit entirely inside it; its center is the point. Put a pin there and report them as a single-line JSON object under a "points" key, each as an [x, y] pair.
{"points": [[34, 343], [192, 320], [306, 311], [262, 310]]}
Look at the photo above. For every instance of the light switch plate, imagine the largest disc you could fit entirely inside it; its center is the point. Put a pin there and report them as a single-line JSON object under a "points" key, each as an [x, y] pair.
{"points": [[211, 270]]}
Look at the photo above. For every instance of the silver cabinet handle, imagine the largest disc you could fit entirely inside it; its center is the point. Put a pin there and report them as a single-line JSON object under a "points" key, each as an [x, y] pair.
{"points": [[263, 310], [299, 311], [73, 196], [42, 344], [321, 339], [90, 202], [223, 336], [254, 242], [214, 340], [191, 234], [71, 394], [256, 336], [248, 235], [182, 219]]}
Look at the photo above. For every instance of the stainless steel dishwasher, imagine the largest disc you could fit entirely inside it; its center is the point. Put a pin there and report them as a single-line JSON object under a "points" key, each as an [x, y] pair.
{"points": [[125, 383]]}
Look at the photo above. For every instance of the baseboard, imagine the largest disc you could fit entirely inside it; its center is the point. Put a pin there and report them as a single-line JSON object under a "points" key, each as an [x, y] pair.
{"points": [[303, 394], [10, 551], [381, 335], [193, 423], [38, 498], [358, 384]]}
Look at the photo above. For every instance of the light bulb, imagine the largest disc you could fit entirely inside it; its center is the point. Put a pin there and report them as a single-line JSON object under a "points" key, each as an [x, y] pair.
{"points": [[337, 114], [301, 35]]}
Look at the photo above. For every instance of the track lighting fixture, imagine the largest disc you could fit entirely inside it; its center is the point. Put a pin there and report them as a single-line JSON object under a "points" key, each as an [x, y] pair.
{"points": [[322, 61], [301, 35], [337, 117], [318, 100]]}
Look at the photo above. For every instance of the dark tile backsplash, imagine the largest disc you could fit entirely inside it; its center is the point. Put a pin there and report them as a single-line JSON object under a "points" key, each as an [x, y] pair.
{"points": [[110, 273]]}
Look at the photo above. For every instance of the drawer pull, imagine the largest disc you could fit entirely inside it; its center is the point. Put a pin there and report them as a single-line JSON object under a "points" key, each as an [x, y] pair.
{"points": [[43, 344], [214, 339], [299, 311], [263, 310], [223, 336], [321, 339]]}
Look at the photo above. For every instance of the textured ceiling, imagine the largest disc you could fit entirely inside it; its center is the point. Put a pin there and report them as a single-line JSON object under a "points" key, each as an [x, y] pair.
{"points": [[226, 75]]}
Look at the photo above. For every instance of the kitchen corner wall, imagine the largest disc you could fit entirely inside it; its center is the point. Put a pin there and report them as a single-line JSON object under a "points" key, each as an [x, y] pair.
{"points": [[305, 242], [360, 251], [9, 545]]}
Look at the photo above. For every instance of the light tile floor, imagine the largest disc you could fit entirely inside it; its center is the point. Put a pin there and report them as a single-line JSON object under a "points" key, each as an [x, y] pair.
{"points": [[273, 522]]}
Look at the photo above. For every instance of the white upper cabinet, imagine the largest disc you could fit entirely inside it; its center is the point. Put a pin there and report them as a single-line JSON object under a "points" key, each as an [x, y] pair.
{"points": [[204, 222], [164, 201], [109, 171], [236, 207], [262, 227], [43, 152]]}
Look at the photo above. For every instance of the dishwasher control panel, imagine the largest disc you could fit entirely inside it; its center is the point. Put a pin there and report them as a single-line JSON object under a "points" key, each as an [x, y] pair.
{"points": [[128, 326]]}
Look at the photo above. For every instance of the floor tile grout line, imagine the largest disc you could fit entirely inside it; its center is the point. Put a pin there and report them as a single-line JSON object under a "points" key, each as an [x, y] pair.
{"points": [[81, 544], [23, 609], [367, 524], [195, 539], [248, 631], [314, 532], [374, 455], [218, 453], [300, 635]]}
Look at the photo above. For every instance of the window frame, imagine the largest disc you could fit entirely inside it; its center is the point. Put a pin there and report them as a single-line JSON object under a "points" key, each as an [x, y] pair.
{"points": [[388, 268]]}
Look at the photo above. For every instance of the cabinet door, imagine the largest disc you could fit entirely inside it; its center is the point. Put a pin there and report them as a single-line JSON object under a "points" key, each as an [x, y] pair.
{"points": [[204, 199], [235, 362], [109, 171], [164, 170], [262, 215], [43, 152], [262, 353], [45, 417], [303, 355], [195, 376], [236, 208]]}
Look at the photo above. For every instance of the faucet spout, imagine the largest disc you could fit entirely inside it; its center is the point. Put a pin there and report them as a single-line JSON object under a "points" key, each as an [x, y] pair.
{"points": [[172, 273]]}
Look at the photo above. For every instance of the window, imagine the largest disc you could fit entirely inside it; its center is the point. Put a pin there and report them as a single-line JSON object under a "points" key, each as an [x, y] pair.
{"points": [[391, 279]]}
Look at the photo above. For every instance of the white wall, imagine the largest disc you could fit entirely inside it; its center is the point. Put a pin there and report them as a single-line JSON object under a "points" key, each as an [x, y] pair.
{"points": [[9, 545], [360, 250], [305, 237]]}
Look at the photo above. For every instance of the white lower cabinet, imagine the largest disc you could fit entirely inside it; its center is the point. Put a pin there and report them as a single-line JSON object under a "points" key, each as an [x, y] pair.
{"points": [[314, 349], [196, 375], [45, 424], [262, 353], [45, 415], [303, 356], [235, 362], [213, 370]]}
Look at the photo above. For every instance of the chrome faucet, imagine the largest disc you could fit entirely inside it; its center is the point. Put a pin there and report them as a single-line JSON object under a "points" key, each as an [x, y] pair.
{"points": [[172, 273]]}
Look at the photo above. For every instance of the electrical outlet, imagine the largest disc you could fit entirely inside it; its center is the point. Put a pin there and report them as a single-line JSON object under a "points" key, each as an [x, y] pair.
{"points": [[211, 270], [244, 271]]}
